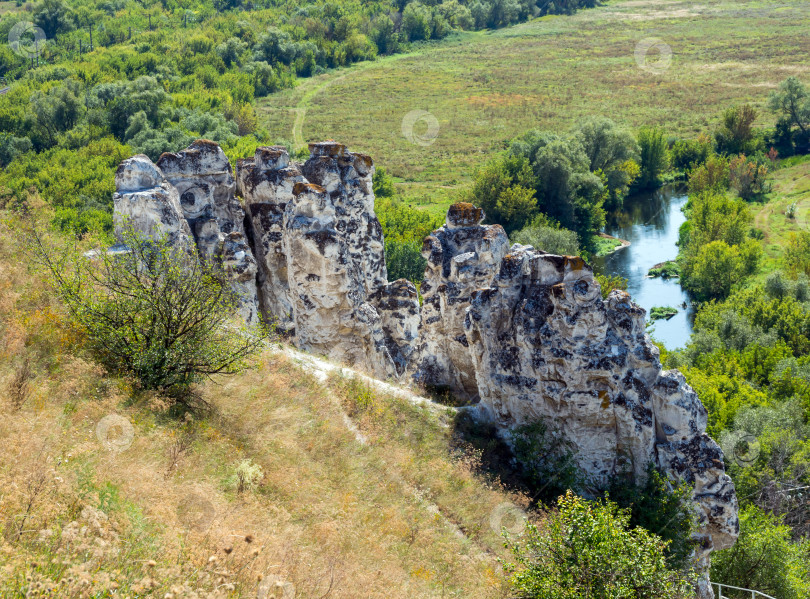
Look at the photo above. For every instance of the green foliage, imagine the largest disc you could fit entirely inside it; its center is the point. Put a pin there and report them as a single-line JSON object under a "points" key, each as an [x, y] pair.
{"points": [[567, 191], [797, 254], [688, 154], [660, 508], [748, 178], [792, 102], [154, 312], [602, 245], [736, 135], [549, 237], [587, 550], [768, 449], [404, 229], [383, 183], [654, 157], [547, 461], [608, 283], [504, 188], [404, 260], [611, 151], [710, 177], [716, 252], [662, 312], [666, 270], [763, 558], [717, 267]]}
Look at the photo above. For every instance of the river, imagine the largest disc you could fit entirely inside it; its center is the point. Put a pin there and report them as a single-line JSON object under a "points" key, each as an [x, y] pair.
{"points": [[650, 222]]}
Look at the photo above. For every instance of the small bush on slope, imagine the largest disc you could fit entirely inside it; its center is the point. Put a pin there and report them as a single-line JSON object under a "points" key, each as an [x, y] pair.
{"points": [[154, 312], [587, 550]]}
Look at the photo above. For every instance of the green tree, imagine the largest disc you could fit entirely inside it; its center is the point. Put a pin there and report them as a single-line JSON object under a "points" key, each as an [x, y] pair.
{"points": [[717, 267], [155, 312], [654, 156], [587, 550], [658, 507], [735, 135], [797, 254], [763, 558], [54, 16], [792, 102], [404, 260], [612, 151], [493, 191], [382, 183]]}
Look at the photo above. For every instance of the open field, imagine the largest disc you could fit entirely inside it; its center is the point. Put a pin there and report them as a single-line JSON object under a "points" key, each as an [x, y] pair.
{"points": [[484, 88], [790, 184]]}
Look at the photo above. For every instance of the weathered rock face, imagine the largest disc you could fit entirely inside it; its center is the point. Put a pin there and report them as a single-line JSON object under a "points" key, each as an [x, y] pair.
{"points": [[266, 184], [191, 202], [146, 201], [462, 256], [546, 346], [327, 291]]}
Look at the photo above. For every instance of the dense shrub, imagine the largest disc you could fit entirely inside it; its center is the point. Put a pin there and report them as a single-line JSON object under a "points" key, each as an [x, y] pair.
{"points": [[588, 550], [155, 312], [763, 558], [654, 157]]}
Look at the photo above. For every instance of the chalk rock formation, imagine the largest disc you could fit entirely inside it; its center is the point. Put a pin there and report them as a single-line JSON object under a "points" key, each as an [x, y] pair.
{"points": [[322, 272], [546, 346], [147, 202], [191, 202], [462, 256], [266, 184]]}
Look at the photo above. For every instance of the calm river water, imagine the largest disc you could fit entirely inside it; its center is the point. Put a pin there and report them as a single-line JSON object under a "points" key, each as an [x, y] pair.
{"points": [[650, 223]]}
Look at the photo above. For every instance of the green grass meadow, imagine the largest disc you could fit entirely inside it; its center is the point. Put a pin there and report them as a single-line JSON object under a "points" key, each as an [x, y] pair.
{"points": [[484, 88]]}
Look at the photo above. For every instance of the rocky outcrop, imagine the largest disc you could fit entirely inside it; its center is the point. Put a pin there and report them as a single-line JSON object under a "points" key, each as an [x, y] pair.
{"points": [[547, 347], [523, 334], [461, 257], [266, 184], [147, 202]]}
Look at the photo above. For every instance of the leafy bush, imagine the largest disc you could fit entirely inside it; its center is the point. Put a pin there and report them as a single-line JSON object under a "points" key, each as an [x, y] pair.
{"points": [[736, 134], [404, 260], [546, 460], [688, 154], [154, 312], [587, 550], [665, 270], [748, 178], [710, 177], [763, 558], [662, 312], [660, 508], [610, 282], [797, 253]]}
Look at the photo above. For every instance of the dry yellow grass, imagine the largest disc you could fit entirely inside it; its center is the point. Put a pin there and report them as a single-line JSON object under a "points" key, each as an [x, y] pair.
{"points": [[146, 505]]}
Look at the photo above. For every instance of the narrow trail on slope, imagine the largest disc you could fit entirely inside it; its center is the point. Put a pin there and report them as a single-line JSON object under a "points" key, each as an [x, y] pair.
{"points": [[322, 370], [300, 109]]}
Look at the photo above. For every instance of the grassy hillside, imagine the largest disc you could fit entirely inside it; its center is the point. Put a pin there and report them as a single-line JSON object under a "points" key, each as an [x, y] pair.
{"points": [[791, 184], [485, 88], [388, 504]]}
